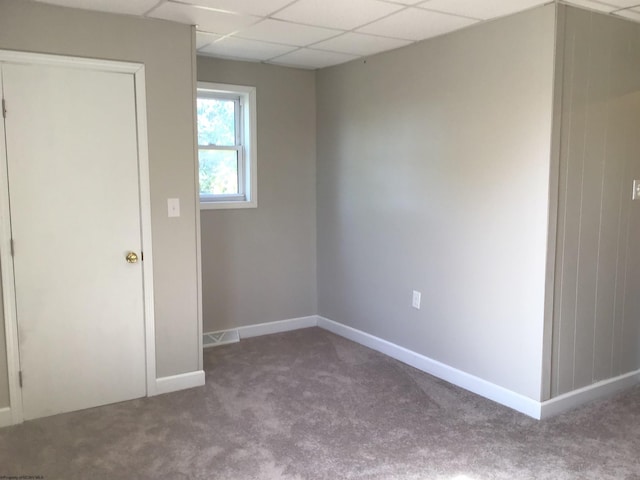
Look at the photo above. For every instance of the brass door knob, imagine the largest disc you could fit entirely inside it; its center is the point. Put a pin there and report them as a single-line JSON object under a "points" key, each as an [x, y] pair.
{"points": [[132, 257]]}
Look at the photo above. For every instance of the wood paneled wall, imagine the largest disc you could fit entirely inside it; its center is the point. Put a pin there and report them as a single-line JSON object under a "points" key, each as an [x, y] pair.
{"points": [[596, 332]]}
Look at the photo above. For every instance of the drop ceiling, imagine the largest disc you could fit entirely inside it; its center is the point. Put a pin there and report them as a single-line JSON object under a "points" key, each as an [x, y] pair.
{"points": [[320, 33]]}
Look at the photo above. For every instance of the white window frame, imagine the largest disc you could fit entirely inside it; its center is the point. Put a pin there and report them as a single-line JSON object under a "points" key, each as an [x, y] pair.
{"points": [[247, 139]]}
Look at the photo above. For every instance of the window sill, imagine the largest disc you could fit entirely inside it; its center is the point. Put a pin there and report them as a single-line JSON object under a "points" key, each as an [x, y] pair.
{"points": [[228, 205]]}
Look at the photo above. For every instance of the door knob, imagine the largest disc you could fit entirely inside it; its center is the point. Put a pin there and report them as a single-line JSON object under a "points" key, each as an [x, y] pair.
{"points": [[132, 257]]}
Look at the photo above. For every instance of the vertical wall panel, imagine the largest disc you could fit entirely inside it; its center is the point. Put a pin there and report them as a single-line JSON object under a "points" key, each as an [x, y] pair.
{"points": [[596, 308], [594, 112], [562, 360], [4, 377]]}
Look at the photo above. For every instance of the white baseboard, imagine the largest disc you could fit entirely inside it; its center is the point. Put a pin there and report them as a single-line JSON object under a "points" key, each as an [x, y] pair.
{"points": [[179, 382], [484, 388], [597, 391], [277, 327], [5, 417], [452, 375]]}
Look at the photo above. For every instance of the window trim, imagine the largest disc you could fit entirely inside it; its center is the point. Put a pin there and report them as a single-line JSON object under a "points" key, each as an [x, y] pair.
{"points": [[248, 164]]}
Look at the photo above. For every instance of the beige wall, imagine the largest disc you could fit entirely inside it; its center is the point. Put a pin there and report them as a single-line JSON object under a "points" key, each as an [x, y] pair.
{"points": [[166, 49], [4, 378], [597, 302], [433, 174], [259, 265]]}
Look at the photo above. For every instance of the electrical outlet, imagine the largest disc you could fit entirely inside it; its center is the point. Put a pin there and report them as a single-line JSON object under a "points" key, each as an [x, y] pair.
{"points": [[636, 190], [415, 303]]}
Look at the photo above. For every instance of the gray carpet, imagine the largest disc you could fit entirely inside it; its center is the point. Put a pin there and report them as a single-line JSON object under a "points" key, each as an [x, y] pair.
{"points": [[311, 405]]}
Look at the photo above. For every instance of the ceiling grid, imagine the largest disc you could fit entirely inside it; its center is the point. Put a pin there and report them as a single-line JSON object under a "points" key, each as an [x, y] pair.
{"points": [[319, 33]]}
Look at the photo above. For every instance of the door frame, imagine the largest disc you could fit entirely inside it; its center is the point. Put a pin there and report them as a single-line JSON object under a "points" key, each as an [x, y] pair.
{"points": [[6, 259]]}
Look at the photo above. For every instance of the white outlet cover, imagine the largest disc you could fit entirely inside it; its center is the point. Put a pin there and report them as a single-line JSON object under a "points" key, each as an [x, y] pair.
{"points": [[636, 190]]}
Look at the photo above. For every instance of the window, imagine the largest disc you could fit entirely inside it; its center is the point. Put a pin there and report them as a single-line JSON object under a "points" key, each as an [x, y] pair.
{"points": [[226, 145]]}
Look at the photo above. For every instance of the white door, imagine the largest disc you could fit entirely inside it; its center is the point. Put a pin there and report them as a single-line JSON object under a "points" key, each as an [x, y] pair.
{"points": [[72, 161]]}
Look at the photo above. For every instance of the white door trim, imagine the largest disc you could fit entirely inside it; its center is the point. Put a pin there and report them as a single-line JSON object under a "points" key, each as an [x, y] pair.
{"points": [[7, 273]]}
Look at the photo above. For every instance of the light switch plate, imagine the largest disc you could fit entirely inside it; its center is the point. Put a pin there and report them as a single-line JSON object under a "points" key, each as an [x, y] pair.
{"points": [[415, 300], [173, 207], [636, 190]]}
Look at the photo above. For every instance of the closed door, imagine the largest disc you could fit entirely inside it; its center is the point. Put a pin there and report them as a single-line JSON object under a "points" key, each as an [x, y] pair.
{"points": [[72, 161]]}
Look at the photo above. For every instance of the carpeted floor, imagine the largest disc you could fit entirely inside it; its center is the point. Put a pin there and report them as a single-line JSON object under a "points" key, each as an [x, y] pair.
{"points": [[311, 405]]}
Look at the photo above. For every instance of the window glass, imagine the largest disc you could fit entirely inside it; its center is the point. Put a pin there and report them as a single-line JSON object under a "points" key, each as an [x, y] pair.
{"points": [[218, 172], [216, 122]]}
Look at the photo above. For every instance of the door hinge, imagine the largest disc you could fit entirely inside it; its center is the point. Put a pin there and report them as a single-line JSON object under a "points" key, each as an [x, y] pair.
{"points": [[4, 108], [12, 248], [20, 378]]}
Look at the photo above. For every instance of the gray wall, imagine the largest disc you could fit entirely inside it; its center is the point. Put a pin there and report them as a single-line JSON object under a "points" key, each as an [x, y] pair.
{"points": [[597, 302], [259, 264], [166, 49], [433, 175]]}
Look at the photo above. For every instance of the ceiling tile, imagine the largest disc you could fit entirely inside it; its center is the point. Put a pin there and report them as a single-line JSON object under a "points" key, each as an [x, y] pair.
{"points": [[131, 7], [601, 7], [207, 20], [261, 8], [633, 14], [623, 3], [204, 39], [307, 58], [340, 14], [277, 31], [238, 48], [360, 44], [404, 2], [484, 10], [416, 24]]}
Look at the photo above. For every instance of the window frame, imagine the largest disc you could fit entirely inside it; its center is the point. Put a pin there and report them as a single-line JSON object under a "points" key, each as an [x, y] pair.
{"points": [[246, 143]]}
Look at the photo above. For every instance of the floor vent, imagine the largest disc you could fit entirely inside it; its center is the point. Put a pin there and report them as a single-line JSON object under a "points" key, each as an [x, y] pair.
{"points": [[215, 339]]}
